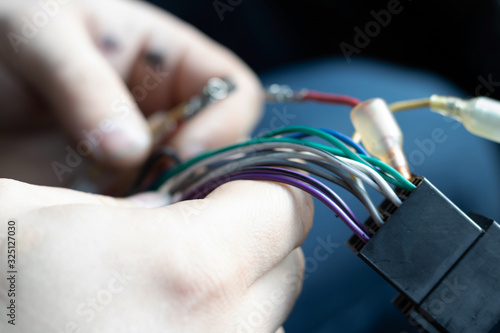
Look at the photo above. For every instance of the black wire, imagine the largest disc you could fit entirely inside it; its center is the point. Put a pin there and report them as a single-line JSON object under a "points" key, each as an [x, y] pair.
{"points": [[151, 162]]}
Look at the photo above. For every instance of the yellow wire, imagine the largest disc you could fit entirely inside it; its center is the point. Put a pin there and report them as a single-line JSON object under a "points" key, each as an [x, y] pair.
{"points": [[400, 106], [410, 104]]}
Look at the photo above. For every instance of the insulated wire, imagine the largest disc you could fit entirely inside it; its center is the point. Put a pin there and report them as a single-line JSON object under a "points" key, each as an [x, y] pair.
{"points": [[173, 183], [171, 177], [265, 174], [261, 158], [389, 193], [410, 104], [342, 137], [314, 132], [356, 185], [334, 141], [270, 159], [281, 159], [348, 177], [347, 140], [280, 143], [317, 96], [290, 173]]}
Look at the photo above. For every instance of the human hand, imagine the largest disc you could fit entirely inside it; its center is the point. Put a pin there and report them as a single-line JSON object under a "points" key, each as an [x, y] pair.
{"points": [[88, 263], [97, 68]]}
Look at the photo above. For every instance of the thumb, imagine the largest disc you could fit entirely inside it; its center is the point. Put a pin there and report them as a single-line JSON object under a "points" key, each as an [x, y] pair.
{"points": [[89, 98], [18, 194]]}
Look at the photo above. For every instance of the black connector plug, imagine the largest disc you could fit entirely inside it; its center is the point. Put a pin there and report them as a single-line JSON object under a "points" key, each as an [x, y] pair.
{"points": [[445, 264]]}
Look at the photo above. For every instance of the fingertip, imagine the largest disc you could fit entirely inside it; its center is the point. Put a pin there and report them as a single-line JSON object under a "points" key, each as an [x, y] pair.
{"points": [[128, 143]]}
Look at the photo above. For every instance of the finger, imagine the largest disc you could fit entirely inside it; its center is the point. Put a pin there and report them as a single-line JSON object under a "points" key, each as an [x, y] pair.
{"points": [[24, 194], [175, 62], [280, 330], [250, 226], [90, 100], [271, 298]]}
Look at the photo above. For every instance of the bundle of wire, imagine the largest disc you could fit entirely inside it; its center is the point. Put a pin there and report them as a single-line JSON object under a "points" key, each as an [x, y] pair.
{"points": [[280, 156], [286, 155]]}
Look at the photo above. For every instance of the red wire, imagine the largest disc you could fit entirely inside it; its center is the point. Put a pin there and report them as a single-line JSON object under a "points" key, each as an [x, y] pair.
{"points": [[318, 96]]}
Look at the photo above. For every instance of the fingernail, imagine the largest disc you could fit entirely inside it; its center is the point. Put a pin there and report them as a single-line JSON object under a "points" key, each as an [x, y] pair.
{"points": [[191, 150], [124, 141], [151, 199]]}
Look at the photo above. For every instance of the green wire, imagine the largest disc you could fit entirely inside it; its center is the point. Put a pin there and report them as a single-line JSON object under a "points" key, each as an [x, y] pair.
{"points": [[178, 169], [320, 134], [397, 179], [402, 182]]}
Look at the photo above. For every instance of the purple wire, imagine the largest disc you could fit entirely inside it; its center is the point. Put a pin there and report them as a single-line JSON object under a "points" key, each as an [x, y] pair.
{"points": [[313, 182], [314, 188]]}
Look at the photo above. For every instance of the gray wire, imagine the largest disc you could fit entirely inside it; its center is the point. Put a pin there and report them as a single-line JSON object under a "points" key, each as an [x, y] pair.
{"points": [[365, 199], [374, 175], [387, 191], [267, 158], [379, 184], [357, 190], [227, 163], [281, 159], [181, 177]]}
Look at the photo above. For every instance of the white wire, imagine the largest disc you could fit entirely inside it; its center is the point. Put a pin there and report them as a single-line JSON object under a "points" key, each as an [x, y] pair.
{"points": [[387, 190]]}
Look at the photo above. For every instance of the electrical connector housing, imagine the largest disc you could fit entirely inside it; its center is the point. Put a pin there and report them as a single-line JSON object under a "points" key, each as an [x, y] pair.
{"points": [[445, 264]]}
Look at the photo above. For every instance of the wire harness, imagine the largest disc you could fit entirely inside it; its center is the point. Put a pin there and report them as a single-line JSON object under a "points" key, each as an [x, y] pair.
{"points": [[274, 157]]}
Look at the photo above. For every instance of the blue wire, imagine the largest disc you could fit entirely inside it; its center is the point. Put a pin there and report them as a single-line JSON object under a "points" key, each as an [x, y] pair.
{"points": [[342, 137]]}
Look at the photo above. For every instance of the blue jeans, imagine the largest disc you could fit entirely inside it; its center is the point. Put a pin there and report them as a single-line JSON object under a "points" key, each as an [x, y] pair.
{"points": [[341, 293]]}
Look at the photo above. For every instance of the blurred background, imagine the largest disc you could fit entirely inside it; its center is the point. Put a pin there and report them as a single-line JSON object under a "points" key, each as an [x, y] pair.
{"points": [[458, 39], [427, 47]]}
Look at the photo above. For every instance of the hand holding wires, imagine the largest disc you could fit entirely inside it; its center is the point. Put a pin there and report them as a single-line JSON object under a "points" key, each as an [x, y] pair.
{"points": [[265, 158]]}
